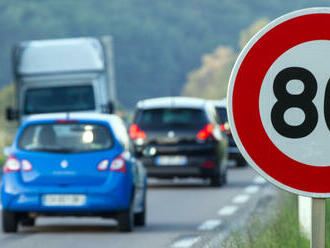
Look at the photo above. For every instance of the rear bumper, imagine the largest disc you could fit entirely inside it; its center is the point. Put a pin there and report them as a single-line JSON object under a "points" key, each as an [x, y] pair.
{"points": [[193, 168], [94, 204], [196, 154], [171, 172], [112, 196]]}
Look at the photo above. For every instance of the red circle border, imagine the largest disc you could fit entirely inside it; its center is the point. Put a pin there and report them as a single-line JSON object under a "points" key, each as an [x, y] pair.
{"points": [[245, 103]]}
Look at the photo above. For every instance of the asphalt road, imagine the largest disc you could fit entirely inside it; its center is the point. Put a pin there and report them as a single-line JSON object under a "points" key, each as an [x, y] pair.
{"points": [[181, 214]]}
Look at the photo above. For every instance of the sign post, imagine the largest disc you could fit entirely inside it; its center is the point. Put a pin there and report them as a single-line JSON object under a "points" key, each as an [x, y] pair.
{"points": [[279, 107], [318, 223]]}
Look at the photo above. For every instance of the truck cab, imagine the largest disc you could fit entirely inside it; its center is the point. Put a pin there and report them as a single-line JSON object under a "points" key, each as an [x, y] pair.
{"points": [[61, 75]]}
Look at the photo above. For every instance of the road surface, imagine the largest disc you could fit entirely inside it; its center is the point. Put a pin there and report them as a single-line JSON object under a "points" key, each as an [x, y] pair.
{"points": [[180, 214]]}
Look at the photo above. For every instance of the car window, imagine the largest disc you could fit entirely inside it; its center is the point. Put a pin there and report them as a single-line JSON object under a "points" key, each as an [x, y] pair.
{"points": [[222, 112], [65, 138], [171, 117]]}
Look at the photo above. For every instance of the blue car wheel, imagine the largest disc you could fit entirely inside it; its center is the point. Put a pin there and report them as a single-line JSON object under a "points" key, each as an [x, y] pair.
{"points": [[9, 221], [126, 219], [140, 218]]}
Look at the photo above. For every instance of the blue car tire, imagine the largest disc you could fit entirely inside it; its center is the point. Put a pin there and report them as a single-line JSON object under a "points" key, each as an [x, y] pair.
{"points": [[126, 219], [9, 221], [140, 218]]}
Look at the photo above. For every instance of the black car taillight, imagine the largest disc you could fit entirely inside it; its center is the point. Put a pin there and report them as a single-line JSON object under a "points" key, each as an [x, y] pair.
{"points": [[206, 132], [136, 133]]}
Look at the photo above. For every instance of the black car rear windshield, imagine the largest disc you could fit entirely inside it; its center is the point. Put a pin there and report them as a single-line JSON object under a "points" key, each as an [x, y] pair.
{"points": [[59, 99], [177, 117], [65, 137], [222, 113]]}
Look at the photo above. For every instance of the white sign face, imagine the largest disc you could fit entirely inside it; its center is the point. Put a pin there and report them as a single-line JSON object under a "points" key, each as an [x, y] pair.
{"points": [[312, 148], [279, 102]]}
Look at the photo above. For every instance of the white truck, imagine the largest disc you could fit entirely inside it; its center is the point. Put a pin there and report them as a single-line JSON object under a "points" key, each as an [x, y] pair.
{"points": [[60, 75]]}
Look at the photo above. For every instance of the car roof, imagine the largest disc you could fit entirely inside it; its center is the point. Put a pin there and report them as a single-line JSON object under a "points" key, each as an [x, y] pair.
{"points": [[172, 102], [220, 103], [74, 116]]}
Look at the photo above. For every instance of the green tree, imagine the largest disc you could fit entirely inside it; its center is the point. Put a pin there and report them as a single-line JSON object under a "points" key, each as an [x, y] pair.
{"points": [[7, 129], [210, 80]]}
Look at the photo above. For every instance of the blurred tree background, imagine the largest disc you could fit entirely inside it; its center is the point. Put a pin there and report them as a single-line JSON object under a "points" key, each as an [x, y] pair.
{"points": [[211, 79], [157, 43]]}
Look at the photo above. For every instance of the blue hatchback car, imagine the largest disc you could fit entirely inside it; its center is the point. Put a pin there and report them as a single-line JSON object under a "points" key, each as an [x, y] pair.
{"points": [[72, 165]]}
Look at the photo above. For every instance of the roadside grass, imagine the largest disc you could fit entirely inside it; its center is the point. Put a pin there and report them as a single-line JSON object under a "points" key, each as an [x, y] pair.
{"points": [[275, 227]]}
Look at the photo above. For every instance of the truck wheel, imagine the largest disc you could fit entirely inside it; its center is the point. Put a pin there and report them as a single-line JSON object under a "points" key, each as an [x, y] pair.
{"points": [[9, 221], [140, 218], [126, 220]]}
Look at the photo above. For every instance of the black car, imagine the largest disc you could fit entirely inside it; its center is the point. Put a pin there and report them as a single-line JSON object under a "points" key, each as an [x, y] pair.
{"points": [[234, 153], [179, 137]]}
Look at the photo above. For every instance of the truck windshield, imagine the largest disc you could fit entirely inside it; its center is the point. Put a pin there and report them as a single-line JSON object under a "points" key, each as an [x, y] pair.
{"points": [[65, 137], [59, 99]]}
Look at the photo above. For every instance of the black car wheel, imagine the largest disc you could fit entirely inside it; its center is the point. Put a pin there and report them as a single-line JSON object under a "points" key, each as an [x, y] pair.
{"points": [[220, 179], [216, 181], [9, 221], [126, 219], [140, 218]]}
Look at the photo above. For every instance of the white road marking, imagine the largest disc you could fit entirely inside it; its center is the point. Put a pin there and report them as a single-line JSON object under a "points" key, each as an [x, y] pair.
{"points": [[228, 210], [186, 242], [252, 189], [209, 225], [259, 180], [240, 199]]}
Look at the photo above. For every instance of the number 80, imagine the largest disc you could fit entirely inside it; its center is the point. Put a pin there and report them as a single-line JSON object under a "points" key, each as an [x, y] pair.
{"points": [[303, 101]]}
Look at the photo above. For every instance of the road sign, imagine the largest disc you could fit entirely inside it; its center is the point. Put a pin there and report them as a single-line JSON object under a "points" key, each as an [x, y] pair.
{"points": [[279, 102]]}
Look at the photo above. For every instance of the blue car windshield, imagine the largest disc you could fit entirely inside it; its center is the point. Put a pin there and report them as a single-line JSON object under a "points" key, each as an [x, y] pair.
{"points": [[65, 137]]}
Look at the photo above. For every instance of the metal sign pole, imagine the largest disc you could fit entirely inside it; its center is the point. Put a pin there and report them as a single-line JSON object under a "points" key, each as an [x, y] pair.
{"points": [[318, 223]]}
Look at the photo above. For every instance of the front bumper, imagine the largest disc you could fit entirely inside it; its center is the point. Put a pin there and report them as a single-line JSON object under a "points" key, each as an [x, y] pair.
{"points": [[112, 196]]}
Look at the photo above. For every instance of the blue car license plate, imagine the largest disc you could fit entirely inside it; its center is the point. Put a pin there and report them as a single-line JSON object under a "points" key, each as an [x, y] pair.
{"points": [[63, 200], [171, 160]]}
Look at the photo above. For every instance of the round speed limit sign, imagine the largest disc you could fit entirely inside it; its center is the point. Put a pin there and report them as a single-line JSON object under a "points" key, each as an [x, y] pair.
{"points": [[279, 102]]}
